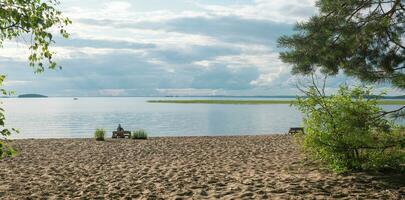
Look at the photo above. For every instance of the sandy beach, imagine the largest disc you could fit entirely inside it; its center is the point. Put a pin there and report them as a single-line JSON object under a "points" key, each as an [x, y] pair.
{"points": [[237, 167]]}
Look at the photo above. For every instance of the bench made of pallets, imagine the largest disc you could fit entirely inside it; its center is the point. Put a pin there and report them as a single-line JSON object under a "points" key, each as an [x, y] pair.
{"points": [[121, 134], [294, 130]]}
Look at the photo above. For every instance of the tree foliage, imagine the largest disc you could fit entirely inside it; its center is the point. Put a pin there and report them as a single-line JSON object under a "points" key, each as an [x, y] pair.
{"points": [[37, 20], [34, 18], [348, 131], [363, 38]]}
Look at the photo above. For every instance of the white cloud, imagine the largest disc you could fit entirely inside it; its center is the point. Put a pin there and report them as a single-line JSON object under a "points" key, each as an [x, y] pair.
{"points": [[189, 92], [265, 62], [265, 79], [252, 56], [112, 92], [274, 10], [19, 52], [121, 11], [172, 42], [16, 82]]}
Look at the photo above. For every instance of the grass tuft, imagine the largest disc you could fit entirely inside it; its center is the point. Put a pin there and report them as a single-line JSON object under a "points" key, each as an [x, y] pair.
{"points": [[99, 134], [139, 134]]}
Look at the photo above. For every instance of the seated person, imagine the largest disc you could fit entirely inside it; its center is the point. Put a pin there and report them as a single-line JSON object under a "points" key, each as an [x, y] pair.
{"points": [[121, 133], [120, 128]]}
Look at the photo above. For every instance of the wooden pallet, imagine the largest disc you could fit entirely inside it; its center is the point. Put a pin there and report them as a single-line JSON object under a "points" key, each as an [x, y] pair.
{"points": [[121, 134], [294, 130]]}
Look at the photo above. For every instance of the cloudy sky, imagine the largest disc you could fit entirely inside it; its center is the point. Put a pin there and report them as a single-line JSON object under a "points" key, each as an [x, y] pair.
{"points": [[160, 47]]}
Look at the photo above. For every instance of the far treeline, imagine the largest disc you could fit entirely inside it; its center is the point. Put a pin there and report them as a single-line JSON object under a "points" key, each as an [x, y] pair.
{"points": [[285, 96], [253, 102], [32, 96]]}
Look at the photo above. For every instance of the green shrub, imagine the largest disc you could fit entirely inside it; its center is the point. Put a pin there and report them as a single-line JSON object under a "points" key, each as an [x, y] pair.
{"points": [[139, 134], [349, 131], [99, 134], [1, 149], [6, 150]]}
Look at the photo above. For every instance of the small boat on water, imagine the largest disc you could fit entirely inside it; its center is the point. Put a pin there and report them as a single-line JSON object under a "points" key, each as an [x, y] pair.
{"points": [[75, 98]]}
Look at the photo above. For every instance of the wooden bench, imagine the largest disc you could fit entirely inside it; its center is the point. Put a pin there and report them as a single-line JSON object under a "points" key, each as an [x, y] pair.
{"points": [[121, 134], [294, 130]]}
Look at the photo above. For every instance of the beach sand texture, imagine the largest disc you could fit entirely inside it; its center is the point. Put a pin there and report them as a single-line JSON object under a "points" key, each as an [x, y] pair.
{"points": [[236, 167]]}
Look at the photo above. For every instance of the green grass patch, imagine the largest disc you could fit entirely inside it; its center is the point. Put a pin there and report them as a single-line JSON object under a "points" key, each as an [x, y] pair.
{"points": [[256, 102], [6, 150], [99, 134], [391, 102], [139, 134]]}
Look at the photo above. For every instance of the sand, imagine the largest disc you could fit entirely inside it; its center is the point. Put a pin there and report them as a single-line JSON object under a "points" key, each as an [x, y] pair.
{"points": [[238, 167]]}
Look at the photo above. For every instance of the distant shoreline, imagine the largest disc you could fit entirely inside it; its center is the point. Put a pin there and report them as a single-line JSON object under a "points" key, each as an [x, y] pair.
{"points": [[32, 96], [241, 97], [255, 102]]}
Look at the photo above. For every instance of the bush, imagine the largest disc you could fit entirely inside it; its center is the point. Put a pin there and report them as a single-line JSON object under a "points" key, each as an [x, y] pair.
{"points": [[99, 134], [139, 134], [349, 131], [6, 150]]}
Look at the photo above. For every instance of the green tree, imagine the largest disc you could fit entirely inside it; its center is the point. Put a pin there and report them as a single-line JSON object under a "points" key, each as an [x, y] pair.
{"points": [[364, 39], [36, 19], [347, 131]]}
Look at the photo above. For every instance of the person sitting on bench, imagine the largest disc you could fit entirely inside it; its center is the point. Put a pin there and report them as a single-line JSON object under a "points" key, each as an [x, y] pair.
{"points": [[121, 133]]}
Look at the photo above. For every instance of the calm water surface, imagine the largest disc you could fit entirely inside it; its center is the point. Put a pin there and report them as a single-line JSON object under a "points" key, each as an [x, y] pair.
{"points": [[66, 118]]}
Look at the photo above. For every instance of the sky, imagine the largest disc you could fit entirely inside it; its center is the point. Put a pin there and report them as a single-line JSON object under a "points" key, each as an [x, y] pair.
{"points": [[160, 47]]}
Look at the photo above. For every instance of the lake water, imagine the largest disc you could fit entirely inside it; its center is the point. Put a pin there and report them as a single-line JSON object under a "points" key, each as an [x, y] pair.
{"points": [[68, 118]]}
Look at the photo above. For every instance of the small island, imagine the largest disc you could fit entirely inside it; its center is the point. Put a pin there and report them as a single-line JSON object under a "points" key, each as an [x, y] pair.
{"points": [[32, 96]]}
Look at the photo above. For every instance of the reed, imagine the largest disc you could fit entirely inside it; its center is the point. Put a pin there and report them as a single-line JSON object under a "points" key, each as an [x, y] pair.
{"points": [[139, 134], [99, 134]]}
